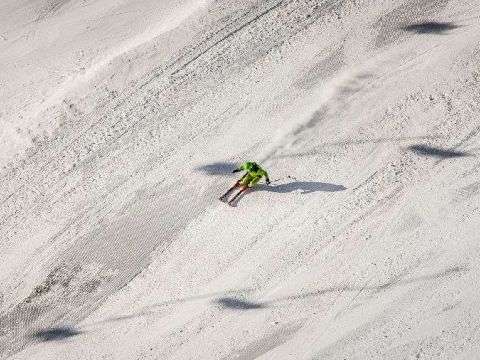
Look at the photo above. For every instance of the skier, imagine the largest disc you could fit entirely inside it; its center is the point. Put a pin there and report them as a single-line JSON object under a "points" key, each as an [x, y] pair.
{"points": [[253, 175]]}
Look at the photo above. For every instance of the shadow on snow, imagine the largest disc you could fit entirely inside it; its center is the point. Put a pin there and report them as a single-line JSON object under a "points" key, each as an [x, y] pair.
{"points": [[217, 168], [305, 187], [55, 333], [426, 150], [431, 27], [237, 304]]}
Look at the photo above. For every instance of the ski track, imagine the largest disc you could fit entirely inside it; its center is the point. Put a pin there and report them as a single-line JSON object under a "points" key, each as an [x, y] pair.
{"points": [[173, 21], [311, 112]]}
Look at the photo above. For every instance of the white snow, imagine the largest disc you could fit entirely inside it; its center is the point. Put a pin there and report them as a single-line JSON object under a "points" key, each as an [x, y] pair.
{"points": [[121, 120]]}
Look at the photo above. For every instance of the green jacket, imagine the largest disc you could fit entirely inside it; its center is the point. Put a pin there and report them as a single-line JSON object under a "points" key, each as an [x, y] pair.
{"points": [[253, 170]]}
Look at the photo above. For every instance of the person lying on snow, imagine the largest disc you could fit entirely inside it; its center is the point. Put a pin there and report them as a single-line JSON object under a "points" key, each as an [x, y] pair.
{"points": [[254, 173]]}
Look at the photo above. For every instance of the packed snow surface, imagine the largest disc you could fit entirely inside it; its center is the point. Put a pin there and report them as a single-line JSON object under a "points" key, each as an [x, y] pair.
{"points": [[120, 124]]}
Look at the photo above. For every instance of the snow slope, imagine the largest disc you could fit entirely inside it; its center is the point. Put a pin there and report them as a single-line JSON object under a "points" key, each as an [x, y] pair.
{"points": [[121, 121]]}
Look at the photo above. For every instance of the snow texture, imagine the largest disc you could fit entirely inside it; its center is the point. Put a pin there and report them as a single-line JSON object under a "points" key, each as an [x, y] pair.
{"points": [[120, 123]]}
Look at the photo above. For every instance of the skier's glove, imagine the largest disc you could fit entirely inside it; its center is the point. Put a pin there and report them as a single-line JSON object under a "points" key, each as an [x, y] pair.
{"points": [[236, 170]]}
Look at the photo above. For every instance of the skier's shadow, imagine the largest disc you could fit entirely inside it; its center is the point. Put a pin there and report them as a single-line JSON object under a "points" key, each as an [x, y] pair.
{"points": [[306, 187]]}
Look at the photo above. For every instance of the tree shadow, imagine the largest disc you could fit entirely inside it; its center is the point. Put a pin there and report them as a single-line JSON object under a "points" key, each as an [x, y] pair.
{"points": [[237, 304], [426, 150], [306, 187], [217, 168], [56, 333], [431, 27]]}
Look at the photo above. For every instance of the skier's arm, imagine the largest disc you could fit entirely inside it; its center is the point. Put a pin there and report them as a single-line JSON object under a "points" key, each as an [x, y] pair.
{"points": [[240, 168]]}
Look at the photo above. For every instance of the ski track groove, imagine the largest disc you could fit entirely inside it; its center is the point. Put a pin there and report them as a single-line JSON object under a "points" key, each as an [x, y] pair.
{"points": [[228, 35]]}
